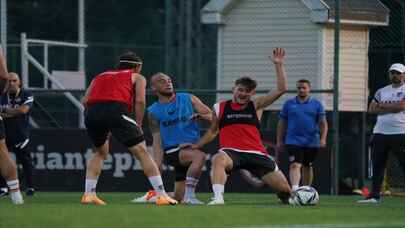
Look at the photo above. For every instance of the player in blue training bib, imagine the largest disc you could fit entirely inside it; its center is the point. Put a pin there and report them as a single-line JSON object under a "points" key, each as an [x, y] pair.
{"points": [[173, 123]]}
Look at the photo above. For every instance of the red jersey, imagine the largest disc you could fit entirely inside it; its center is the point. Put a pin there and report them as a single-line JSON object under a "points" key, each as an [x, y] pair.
{"points": [[239, 128], [112, 86]]}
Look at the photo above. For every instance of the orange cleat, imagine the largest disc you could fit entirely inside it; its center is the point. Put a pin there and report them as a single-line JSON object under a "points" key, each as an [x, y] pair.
{"points": [[165, 200], [92, 199], [149, 197]]}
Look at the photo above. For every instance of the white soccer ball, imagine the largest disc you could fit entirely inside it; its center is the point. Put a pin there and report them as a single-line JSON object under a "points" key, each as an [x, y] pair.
{"points": [[306, 196]]}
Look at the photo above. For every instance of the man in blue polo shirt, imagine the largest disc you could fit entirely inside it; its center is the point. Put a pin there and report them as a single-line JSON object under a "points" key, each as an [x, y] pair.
{"points": [[302, 128]]}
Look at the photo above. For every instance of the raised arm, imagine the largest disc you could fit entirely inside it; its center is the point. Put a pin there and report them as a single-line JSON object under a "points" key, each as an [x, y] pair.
{"points": [[202, 110], [140, 98], [278, 60]]}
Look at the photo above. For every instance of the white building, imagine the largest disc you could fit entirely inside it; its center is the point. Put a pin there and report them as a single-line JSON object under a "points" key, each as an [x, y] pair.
{"points": [[250, 29]]}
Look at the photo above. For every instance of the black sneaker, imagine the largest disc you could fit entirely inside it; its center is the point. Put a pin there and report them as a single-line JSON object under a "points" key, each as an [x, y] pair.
{"points": [[30, 192], [3, 192]]}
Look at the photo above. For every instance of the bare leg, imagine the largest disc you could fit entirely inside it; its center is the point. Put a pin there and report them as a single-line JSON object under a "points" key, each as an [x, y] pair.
{"points": [[295, 174], [179, 187], [95, 163], [195, 160], [220, 163], [307, 175], [278, 182], [8, 170]]}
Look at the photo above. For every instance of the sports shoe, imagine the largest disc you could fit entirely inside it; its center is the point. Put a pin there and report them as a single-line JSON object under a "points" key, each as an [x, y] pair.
{"points": [[3, 192], [30, 192], [149, 197], [92, 199], [371, 200], [192, 201], [215, 201], [16, 197], [165, 200]]}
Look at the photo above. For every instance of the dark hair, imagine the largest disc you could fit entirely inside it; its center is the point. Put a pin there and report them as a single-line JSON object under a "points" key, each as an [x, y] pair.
{"points": [[129, 60], [249, 83], [304, 81]]}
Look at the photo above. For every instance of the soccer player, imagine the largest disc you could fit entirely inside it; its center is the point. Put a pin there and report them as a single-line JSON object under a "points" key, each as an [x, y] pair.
{"points": [[237, 122], [8, 167], [109, 101], [389, 131], [172, 120], [302, 128], [15, 106]]}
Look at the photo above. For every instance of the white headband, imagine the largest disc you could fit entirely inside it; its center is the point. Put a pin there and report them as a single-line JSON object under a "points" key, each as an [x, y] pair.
{"points": [[129, 61]]}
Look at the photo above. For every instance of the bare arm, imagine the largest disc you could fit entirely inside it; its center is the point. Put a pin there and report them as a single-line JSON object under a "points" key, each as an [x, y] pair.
{"points": [[140, 99], [278, 60], [86, 94], [202, 110], [323, 126], [377, 108], [281, 126], [392, 107], [157, 141], [3, 72], [210, 134]]}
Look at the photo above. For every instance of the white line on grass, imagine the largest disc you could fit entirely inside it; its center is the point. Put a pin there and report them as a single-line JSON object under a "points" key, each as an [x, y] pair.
{"points": [[357, 225]]}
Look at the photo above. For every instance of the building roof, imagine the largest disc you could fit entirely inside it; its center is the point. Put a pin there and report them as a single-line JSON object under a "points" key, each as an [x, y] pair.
{"points": [[359, 12]]}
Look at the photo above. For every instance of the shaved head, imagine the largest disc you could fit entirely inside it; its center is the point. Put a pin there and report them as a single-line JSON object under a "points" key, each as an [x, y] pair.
{"points": [[162, 84]]}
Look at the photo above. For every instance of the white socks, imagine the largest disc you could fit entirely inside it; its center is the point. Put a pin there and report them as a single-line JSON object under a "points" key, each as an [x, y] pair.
{"points": [[15, 193], [157, 184], [218, 190], [90, 186], [295, 187], [191, 183]]}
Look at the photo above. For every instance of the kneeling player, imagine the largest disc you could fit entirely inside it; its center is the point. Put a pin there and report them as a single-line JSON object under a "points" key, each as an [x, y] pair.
{"points": [[172, 120]]}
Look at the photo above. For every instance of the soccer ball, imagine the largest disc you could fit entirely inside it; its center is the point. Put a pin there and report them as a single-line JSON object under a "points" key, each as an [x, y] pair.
{"points": [[306, 196]]}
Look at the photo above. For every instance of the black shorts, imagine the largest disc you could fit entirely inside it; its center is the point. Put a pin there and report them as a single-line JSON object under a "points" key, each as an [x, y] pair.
{"points": [[2, 129], [302, 155], [103, 118], [258, 165], [171, 158]]}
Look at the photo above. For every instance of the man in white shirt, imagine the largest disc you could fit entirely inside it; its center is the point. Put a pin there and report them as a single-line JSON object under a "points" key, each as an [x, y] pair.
{"points": [[389, 131]]}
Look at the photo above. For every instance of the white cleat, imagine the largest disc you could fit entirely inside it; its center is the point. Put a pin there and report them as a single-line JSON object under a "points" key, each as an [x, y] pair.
{"points": [[216, 202], [149, 197], [16, 198], [370, 201], [192, 201]]}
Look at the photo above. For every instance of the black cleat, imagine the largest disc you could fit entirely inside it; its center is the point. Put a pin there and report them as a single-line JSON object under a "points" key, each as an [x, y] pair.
{"points": [[30, 192], [3, 192]]}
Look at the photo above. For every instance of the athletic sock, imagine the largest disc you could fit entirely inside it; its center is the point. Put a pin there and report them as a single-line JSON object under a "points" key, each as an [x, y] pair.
{"points": [[90, 186], [191, 183], [13, 185], [218, 190], [295, 187], [157, 184]]}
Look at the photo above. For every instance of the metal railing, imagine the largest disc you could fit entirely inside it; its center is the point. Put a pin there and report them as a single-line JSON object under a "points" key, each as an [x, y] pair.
{"points": [[27, 58]]}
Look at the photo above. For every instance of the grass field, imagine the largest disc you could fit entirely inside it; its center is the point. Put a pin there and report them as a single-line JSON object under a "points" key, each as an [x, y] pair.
{"points": [[57, 210]]}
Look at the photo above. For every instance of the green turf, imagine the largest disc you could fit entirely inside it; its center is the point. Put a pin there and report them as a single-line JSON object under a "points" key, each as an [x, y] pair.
{"points": [[57, 210]]}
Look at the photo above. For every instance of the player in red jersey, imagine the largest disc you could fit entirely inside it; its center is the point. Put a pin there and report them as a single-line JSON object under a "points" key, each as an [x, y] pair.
{"points": [[237, 122], [109, 100]]}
